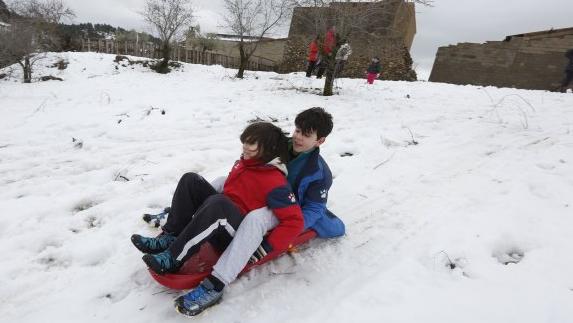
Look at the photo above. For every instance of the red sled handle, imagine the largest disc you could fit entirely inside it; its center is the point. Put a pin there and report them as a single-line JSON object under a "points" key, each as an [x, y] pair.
{"points": [[199, 266]]}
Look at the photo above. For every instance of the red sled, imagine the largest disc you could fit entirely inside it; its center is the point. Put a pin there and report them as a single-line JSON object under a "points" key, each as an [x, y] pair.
{"points": [[199, 266]]}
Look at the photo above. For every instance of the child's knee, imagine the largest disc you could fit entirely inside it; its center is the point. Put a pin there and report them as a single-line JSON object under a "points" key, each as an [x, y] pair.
{"points": [[256, 222], [191, 177]]}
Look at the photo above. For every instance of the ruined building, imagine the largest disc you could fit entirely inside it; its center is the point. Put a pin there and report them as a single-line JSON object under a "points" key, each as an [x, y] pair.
{"points": [[528, 61], [385, 29]]}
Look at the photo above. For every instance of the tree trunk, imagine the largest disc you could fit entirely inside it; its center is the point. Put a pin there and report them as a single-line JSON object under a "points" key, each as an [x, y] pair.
{"points": [[243, 61], [27, 70], [163, 66], [329, 81]]}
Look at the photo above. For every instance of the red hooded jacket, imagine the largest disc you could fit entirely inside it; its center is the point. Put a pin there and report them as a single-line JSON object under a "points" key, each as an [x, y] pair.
{"points": [[329, 41], [252, 185], [313, 51]]}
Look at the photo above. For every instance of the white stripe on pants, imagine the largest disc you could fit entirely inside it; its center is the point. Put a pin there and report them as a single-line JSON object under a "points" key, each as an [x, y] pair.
{"points": [[247, 239], [203, 235]]}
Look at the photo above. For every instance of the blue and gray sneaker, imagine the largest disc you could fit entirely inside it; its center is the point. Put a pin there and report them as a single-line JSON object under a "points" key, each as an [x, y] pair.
{"points": [[153, 245], [198, 299], [162, 262]]}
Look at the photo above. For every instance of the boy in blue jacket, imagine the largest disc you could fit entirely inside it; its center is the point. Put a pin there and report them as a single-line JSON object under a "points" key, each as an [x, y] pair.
{"points": [[310, 178]]}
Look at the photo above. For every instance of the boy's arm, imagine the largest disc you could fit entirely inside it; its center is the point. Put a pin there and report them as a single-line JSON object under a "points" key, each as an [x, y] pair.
{"points": [[283, 203], [316, 215], [314, 205]]}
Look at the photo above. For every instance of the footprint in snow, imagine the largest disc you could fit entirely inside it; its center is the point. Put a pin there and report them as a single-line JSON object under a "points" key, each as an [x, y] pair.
{"points": [[509, 255], [83, 205], [545, 166], [51, 261]]}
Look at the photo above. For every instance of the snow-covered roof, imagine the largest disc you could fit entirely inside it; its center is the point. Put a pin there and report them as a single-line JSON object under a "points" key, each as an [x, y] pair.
{"points": [[229, 37]]}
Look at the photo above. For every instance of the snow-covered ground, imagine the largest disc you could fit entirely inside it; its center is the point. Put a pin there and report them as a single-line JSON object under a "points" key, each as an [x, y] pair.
{"points": [[474, 223]]}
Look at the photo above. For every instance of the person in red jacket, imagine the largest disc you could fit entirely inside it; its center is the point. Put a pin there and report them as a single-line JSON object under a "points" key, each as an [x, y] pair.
{"points": [[327, 48], [329, 41], [200, 214], [312, 55]]}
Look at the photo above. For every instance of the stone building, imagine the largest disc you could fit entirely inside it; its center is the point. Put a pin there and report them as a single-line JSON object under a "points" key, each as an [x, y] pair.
{"points": [[384, 28], [528, 61]]}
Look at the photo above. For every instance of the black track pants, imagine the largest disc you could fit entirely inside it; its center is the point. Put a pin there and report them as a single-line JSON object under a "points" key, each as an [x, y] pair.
{"points": [[215, 221], [198, 214], [310, 68], [192, 191]]}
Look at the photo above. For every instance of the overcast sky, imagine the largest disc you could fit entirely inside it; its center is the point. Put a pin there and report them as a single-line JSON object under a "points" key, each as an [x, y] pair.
{"points": [[447, 22]]}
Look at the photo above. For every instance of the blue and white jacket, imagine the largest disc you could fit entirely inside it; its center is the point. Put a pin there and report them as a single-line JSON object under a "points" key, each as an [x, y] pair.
{"points": [[311, 189]]}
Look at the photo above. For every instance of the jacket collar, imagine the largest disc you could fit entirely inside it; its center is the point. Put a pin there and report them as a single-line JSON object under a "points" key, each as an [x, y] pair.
{"points": [[279, 164], [310, 167], [276, 163]]}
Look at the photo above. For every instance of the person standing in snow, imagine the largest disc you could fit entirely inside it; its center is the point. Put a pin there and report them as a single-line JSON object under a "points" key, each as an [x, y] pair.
{"points": [[309, 176], [568, 71], [312, 55], [341, 57], [373, 70], [326, 50], [200, 214], [329, 41]]}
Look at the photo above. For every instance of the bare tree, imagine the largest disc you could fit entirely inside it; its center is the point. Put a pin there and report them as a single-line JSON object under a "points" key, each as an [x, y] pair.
{"points": [[32, 32], [251, 21], [18, 45], [47, 11], [170, 19], [4, 13]]}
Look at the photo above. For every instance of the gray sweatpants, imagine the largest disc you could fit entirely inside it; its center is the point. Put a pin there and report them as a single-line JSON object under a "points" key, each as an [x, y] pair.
{"points": [[247, 239]]}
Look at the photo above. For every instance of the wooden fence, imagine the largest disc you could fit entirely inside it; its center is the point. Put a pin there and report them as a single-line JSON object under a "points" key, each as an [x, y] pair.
{"points": [[178, 53]]}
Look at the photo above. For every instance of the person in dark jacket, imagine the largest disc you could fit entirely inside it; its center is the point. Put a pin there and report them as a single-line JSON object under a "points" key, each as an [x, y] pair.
{"points": [[373, 70], [568, 71], [200, 214], [310, 178]]}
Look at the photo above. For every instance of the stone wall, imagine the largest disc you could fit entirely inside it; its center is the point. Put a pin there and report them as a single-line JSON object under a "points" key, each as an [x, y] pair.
{"points": [[384, 29], [271, 50], [527, 61]]}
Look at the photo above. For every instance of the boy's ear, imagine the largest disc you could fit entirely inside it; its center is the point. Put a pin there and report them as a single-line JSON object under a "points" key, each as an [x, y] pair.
{"points": [[320, 141]]}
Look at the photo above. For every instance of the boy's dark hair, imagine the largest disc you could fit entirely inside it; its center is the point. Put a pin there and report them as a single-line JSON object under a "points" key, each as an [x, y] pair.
{"points": [[314, 119], [270, 139]]}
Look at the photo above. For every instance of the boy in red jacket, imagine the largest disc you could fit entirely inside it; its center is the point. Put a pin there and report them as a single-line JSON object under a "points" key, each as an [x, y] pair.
{"points": [[199, 214]]}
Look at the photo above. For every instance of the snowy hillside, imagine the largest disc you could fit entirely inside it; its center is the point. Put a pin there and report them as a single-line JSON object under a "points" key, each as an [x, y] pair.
{"points": [[458, 200]]}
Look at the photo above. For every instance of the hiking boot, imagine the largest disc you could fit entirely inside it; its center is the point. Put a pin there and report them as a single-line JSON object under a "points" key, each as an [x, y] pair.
{"points": [[162, 262], [198, 299], [153, 245]]}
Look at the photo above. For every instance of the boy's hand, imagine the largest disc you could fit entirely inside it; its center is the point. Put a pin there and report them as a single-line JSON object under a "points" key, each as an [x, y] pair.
{"points": [[263, 250]]}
